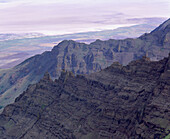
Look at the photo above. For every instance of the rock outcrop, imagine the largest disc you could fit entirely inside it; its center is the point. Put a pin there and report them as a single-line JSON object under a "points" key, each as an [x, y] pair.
{"points": [[81, 58], [119, 102]]}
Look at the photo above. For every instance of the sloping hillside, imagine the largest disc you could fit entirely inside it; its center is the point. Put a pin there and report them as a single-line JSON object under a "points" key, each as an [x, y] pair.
{"points": [[81, 58], [118, 102]]}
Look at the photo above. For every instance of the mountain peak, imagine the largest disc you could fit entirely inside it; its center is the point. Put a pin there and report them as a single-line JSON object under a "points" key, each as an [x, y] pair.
{"points": [[81, 58]]}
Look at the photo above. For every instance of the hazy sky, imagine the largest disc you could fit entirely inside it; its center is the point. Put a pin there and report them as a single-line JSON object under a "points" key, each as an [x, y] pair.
{"points": [[69, 16]]}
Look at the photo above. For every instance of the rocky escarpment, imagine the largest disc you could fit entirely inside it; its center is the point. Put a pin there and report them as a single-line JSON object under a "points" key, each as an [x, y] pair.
{"points": [[119, 102], [81, 58]]}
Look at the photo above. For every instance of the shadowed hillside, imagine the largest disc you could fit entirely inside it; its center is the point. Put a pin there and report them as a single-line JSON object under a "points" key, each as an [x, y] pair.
{"points": [[118, 102], [81, 58]]}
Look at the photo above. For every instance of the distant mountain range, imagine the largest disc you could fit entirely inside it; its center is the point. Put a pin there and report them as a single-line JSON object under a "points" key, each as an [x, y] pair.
{"points": [[81, 58], [15, 48], [119, 102]]}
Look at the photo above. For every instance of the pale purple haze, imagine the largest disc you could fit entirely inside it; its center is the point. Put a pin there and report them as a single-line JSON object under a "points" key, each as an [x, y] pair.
{"points": [[71, 16]]}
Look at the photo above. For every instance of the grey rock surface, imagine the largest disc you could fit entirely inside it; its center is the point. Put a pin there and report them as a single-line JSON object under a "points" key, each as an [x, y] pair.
{"points": [[81, 58], [119, 102]]}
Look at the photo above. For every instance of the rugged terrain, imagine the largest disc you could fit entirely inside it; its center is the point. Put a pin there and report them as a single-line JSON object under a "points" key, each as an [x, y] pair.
{"points": [[81, 58], [119, 102], [29, 44]]}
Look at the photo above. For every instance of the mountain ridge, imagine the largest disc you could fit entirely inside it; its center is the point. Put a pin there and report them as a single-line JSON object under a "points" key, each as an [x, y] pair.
{"points": [[80, 58], [38, 45], [162, 26], [118, 102]]}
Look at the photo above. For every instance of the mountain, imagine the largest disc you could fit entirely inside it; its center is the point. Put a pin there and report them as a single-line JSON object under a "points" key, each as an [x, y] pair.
{"points": [[161, 35], [118, 102], [81, 58], [15, 44]]}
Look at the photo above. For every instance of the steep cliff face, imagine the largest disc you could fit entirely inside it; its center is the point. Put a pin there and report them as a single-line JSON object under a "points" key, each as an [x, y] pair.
{"points": [[81, 58], [118, 102]]}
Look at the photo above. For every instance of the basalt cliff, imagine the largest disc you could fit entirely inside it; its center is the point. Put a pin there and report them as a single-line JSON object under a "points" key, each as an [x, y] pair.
{"points": [[119, 102], [81, 58]]}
